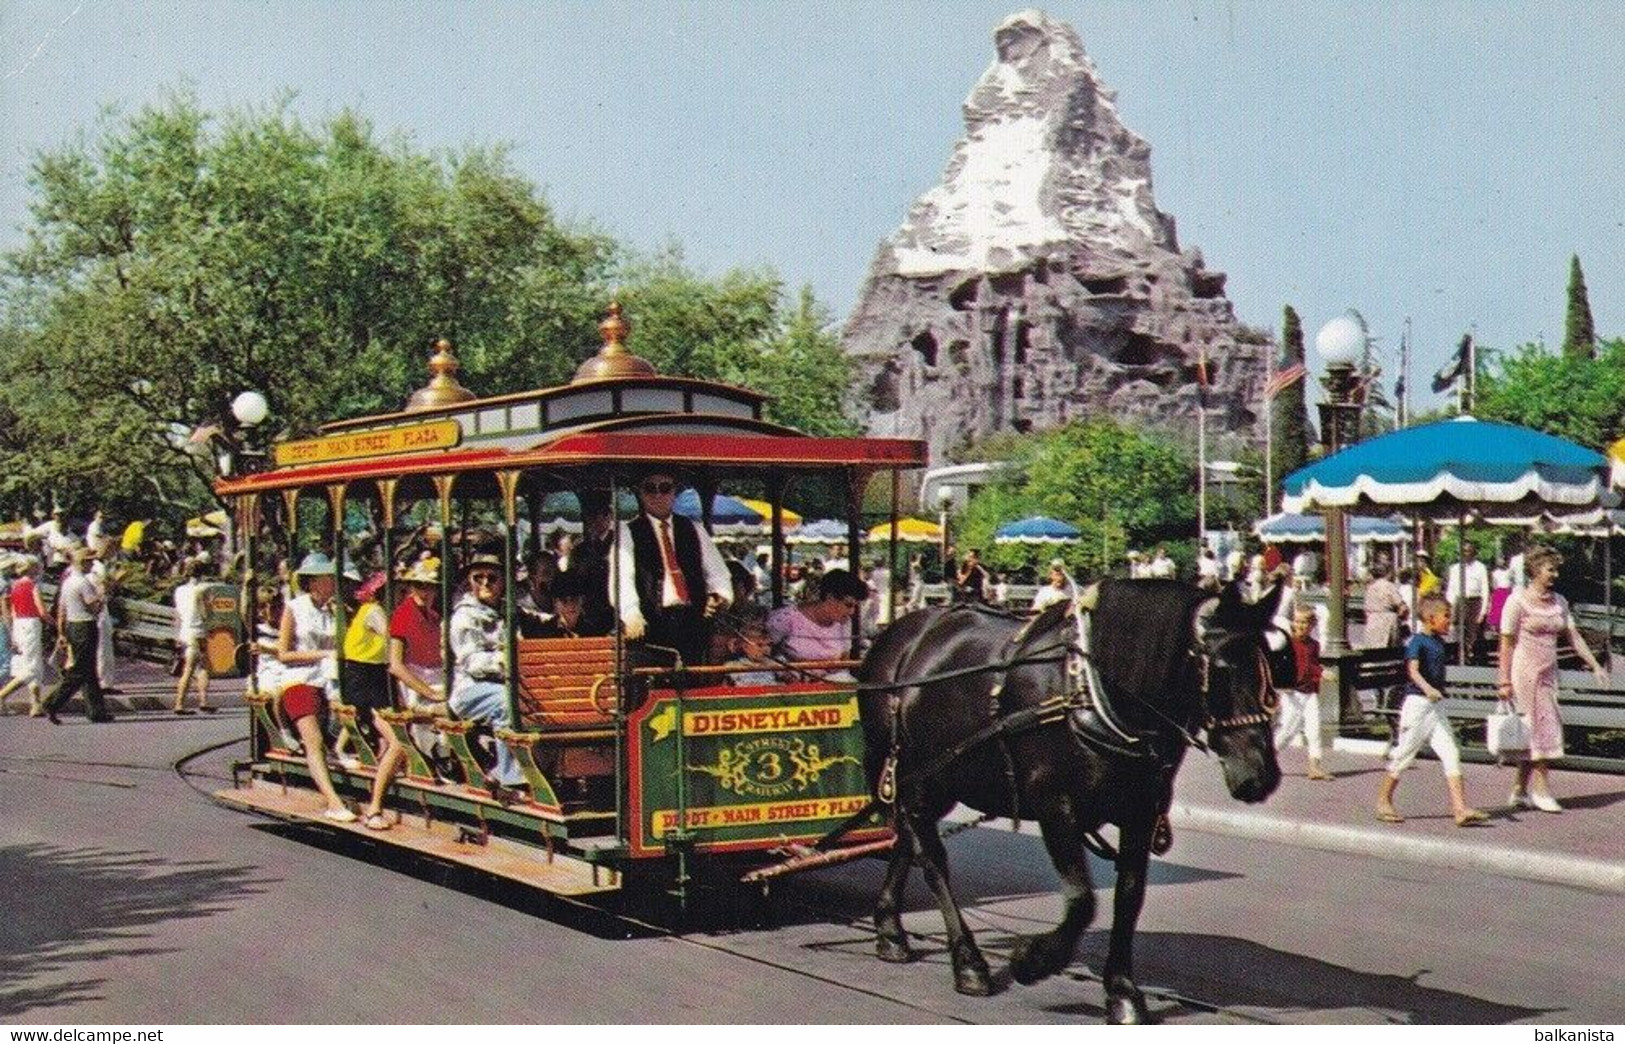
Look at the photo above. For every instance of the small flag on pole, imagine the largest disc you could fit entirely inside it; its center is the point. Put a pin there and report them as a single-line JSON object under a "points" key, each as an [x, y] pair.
{"points": [[1284, 379], [1453, 370]]}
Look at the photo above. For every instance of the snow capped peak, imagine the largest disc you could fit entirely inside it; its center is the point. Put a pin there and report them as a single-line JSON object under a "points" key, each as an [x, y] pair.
{"points": [[1045, 161]]}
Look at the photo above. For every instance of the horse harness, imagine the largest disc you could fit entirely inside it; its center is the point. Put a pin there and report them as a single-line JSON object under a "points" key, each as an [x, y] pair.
{"points": [[1084, 705]]}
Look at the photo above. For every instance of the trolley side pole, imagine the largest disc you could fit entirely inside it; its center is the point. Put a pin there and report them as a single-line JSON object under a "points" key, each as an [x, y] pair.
{"points": [[891, 551]]}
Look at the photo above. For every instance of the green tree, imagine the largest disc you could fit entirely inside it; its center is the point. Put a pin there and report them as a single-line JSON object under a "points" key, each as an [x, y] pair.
{"points": [[1579, 334], [1578, 397], [175, 258], [1122, 486], [1289, 417]]}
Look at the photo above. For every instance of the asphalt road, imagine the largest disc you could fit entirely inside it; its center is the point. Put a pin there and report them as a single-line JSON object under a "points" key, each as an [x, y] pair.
{"points": [[129, 897]]}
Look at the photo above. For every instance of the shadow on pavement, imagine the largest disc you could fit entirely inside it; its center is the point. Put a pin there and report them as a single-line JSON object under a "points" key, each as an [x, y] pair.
{"points": [[1230, 972], [74, 908]]}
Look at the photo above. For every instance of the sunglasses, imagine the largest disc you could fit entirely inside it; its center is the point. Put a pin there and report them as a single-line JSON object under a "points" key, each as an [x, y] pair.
{"points": [[483, 578], [659, 488]]}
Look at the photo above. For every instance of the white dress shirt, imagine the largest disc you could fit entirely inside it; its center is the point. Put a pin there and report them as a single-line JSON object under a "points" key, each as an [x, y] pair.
{"points": [[623, 580], [1477, 586]]}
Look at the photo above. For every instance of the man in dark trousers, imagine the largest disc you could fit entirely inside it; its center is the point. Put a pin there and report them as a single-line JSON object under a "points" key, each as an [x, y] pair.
{"points": [[590, 559], [670, 579], [77, 606]]}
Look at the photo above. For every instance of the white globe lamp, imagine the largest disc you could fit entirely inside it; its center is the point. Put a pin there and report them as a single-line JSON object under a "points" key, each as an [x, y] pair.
{"points": [[250, 409], [1342, 342]]}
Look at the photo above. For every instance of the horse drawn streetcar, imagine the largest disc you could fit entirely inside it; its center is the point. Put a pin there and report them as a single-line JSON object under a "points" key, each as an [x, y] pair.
{"points": [[630, 764]]}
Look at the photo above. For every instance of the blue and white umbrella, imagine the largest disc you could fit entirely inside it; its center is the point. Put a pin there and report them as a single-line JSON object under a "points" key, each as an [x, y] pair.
{"points": [[1451, 468], [1287, 528], [729, 517], [1037, 530], [823, 531]]}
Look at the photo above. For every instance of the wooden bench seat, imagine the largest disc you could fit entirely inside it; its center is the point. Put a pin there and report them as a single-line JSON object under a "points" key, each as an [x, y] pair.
{"points": [[567, 683]]}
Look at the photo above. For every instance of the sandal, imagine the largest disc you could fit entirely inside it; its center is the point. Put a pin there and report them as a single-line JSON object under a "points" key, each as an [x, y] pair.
{"points": [[377, 821], [209, 710], [185, 712], [1472, 817], [1388, 815], [339, 815]]}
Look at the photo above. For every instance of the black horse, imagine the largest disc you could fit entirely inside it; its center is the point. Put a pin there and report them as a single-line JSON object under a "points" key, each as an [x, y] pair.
{"points": [[1089, 742]]}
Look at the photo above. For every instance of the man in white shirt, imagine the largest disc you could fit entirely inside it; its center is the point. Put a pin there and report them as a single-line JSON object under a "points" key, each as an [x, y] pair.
{"points": [[1162, 567], [670, 579], [58, 545], [78, 604], [1469, 598], [96, 537], [106, 655], [1207, 570]]}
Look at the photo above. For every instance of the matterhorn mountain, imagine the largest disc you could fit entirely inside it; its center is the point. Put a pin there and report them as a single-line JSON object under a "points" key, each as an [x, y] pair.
{"points": [[1038, 282]]}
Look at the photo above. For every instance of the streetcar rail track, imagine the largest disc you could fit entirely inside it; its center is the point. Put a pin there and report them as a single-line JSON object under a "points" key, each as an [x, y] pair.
{"points": [[998, 943]]}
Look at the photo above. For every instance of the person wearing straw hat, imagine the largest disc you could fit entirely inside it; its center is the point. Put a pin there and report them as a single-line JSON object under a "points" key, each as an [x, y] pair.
{"points": [[305, 645], [77, 606], [479, 648], [418, 667]]}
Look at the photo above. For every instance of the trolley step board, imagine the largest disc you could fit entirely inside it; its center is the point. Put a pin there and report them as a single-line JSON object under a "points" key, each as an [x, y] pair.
{"points": [[558, 874]]}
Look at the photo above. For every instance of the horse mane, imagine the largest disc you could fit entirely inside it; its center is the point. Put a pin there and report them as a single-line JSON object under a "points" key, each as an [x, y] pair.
{"points": [[1142, 634]]}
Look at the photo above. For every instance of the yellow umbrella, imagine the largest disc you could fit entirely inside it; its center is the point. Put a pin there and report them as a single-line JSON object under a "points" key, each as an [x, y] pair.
{"points": [[909, 531], [210, 525], [1616, 463], [763, 508], [134, 533]]}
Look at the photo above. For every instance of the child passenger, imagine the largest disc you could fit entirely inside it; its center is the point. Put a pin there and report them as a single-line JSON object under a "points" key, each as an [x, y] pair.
{"points": [[1420, 719], [752, 661]]}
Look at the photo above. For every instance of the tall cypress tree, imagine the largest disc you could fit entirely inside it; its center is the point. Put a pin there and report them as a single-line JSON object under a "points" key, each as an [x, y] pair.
{"points": [[1289, 449], [1579, 334]]}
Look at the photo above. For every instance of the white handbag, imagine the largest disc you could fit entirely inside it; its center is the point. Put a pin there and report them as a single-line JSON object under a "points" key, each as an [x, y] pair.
{"points": [[1505, 732]]}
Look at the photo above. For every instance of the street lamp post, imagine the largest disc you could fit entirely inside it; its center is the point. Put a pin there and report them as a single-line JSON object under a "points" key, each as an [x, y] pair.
{"points": [[250, 409], [1341, 343]]}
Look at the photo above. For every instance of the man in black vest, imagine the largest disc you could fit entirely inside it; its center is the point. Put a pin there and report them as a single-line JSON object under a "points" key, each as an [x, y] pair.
{"points": [[671, 578]]}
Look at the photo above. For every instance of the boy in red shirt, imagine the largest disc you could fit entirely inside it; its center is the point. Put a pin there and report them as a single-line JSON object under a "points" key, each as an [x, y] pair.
{"points": [[1300, 701]]}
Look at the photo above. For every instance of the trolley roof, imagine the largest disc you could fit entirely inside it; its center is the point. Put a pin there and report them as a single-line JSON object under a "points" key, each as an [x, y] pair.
{"points": [[617, 412]]}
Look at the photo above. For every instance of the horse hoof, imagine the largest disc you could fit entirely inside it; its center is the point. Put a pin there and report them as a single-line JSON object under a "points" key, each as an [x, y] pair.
{"points": [[1127, 1011], [1029, 963], [893, 951], [973, 982]]}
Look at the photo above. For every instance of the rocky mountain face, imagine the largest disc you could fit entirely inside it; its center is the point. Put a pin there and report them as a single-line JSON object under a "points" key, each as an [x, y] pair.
{"points": [[1039, 282]]}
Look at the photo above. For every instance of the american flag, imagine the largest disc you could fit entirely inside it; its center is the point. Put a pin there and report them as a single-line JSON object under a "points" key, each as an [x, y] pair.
{"points": [[1284, 379]]}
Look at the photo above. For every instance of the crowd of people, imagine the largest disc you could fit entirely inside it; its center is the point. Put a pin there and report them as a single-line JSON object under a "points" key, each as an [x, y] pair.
{"points": [[678, 599]]}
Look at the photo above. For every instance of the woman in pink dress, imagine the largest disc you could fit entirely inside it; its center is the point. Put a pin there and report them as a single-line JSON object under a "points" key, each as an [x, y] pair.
{"points": [[1531, 624]]}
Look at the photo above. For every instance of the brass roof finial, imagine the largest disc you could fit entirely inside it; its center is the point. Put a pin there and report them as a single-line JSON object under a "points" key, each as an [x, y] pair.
{"points": [[443, 388], [613, 360]]}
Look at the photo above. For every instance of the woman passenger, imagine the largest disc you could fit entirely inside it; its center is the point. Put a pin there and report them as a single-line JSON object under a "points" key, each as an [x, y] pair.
{"points": [[366, 641], [415, 661], [305, 648]]}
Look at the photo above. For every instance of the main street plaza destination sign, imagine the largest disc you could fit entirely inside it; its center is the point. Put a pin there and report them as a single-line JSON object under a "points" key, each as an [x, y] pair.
{"points": [[435, 435]]}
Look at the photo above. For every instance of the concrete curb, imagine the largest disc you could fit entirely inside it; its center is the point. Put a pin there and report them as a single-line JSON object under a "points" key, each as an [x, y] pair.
{"points": [[1524, 863], [1529, 864]]}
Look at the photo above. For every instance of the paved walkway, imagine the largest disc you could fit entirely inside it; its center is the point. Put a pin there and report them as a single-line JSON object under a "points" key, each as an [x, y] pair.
{"points": [[1584, 846]]}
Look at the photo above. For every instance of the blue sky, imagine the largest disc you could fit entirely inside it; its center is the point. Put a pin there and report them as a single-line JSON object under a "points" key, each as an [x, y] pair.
{"points": [[1433, 160]]}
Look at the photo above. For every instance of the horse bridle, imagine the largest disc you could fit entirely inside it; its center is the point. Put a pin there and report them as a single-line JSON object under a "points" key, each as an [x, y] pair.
{"points": [[1268, 701]]}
